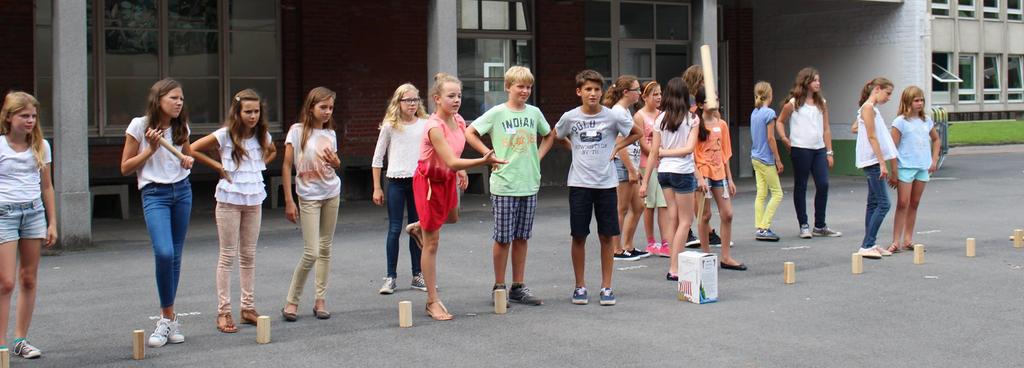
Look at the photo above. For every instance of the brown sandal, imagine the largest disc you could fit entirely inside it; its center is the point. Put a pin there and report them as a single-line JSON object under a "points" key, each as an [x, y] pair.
{"points": [[249, 316], [439, 317], [416, 232], [894, 248], [225, 324], [908, 246]]}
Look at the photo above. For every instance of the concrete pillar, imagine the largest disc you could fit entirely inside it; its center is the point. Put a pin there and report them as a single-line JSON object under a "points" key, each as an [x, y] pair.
{"points": [[442, 50], [70, 117], [705, 29]]}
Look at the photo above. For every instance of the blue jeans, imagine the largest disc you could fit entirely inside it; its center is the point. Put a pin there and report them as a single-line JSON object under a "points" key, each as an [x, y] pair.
{"points": [[808, 162], [878, 205], [399, 198], [167, 208]]}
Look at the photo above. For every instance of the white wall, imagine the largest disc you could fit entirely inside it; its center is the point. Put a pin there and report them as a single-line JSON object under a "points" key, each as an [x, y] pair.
{"points": [[849, 42]]}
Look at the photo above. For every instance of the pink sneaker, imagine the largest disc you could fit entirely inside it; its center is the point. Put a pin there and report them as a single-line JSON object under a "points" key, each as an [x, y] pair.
{"points": [[653, 247], [666, 250]]}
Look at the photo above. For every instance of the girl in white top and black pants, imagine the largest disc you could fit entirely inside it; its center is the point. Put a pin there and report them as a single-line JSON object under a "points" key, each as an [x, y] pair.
{"points": [[875, 153], [810, 145], [400, 137], [244, 149], [166, 192]]}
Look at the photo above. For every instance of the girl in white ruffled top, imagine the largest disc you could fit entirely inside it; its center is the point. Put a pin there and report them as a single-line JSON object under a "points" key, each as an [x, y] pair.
{"points": [[244, 148]]}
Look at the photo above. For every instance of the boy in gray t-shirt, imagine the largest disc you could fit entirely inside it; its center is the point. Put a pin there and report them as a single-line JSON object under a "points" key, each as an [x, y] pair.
{"points": [[591, 130]]}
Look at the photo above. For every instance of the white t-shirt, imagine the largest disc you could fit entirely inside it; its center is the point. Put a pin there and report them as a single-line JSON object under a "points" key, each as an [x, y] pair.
{"points": [[314, 179], [163, 167], [401, 147], [632, 150], [865, 155], [676, 139], [807, 127], [593, 141], [19, 173], [246, 186]]}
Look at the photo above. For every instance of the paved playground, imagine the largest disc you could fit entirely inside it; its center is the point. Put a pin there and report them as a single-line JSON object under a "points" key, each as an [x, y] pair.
{"points": [[950, 311]]}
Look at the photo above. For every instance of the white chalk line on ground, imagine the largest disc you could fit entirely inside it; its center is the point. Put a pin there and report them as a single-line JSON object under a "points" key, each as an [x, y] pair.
{"points": [[796, 247], [928, 232], [637, 267], [154, 318]]}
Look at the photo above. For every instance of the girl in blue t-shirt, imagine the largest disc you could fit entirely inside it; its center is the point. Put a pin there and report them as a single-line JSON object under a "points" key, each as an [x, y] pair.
{"points": [[764, 156], [918, 145]]}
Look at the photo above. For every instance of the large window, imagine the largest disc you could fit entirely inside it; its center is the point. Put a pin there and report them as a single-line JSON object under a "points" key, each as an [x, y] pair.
{"points": [[965, 8], [213, 47], [940, 7], [942, 78], [966, 89], [991, 76], [991, 9], [1014, 10], [649, 39], [493, 36], [1015, 78]]}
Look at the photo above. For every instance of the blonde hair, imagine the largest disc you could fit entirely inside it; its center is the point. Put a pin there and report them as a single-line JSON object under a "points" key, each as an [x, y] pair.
{"points": [[865, 92], [647, 90], [439, 80], [393, 115], [518, 74], [16, 101], [762, 93], [237, 129], [910, 94], [315, 96], [694, 78]]}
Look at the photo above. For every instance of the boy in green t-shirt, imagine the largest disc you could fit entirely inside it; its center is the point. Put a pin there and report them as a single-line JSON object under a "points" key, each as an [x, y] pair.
{"points": [[514, 127]]}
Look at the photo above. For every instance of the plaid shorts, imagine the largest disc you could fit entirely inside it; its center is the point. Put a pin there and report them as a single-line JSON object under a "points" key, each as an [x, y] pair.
{"points": [[513, 217]]}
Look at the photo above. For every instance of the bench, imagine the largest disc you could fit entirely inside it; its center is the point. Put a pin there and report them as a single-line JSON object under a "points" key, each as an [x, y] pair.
{"points": [[485, 177], [120, 190]]}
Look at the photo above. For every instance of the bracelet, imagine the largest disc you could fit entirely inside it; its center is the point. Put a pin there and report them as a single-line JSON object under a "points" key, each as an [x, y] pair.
{"points": [[829, 153]]}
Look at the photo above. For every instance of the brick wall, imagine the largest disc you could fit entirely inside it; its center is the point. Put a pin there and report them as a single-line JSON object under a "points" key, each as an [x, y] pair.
{"points": [[738, 29], [560, 55], [16, 54]]}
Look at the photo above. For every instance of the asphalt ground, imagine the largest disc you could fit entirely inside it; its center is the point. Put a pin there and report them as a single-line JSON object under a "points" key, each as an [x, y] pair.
{"points": [[950, 311]]}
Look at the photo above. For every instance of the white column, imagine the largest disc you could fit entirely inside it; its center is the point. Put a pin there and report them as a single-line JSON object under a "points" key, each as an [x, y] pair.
{"points": [[442, 52], [705, 29], [70, 117]]}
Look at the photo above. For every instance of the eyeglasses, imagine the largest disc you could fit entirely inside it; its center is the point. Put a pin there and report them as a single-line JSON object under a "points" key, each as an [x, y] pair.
{"points": [[637, 90], [411, 101]]}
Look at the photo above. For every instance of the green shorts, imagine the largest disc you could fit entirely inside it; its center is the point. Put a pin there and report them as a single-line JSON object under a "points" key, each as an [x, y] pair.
{"points": [[655, 197]]}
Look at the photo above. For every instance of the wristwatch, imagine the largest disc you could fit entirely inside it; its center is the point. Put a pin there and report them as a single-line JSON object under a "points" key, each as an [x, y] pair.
{"points": [[828, 153]]}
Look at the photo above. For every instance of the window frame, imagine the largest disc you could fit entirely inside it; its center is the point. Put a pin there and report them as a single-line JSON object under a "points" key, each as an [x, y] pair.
{"points": [[1020, 78], [973, 90], [988, 10], [967, 11], [948, 78], [616, 40], [1015, 14], [943, 6], [985, 90], [512, 36]]}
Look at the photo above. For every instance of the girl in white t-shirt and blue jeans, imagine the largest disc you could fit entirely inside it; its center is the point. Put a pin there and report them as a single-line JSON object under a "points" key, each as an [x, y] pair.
{"points": [[166, 192], [28, 217], [675, 137], [244, 148], [876, 153], [311, 147]]}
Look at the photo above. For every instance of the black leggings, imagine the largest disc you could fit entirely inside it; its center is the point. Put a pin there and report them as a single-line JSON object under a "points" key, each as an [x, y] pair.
{"points": [[808, 162]]}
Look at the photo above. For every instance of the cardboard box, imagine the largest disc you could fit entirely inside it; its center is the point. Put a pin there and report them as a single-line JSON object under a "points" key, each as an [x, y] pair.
{"points": [[698, 277]]}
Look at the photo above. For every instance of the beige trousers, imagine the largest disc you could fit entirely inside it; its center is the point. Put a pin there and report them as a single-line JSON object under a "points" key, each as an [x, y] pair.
{"points": [[318, 218], [238, 228]]}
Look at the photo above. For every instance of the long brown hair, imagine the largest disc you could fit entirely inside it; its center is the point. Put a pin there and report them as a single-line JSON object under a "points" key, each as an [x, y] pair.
{"points": [[907, 102], [306, 118], [238, 130], [617, 90], [675, 102], [865, 92], [14, 102], [179, 125], [694, 78], [802, 86]]}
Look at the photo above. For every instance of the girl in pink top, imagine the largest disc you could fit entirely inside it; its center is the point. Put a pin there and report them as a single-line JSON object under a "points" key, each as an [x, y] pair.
{"points": [[435, 180], [650, 93]]}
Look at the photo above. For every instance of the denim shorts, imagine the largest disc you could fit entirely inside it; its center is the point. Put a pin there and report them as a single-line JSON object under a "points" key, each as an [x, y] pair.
{"points": [[909, 175], [680, 183], [717, 183], [620, 171], [25, 220]]}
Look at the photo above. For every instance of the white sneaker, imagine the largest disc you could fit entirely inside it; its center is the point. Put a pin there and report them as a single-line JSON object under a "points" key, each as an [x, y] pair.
{"points": [[871, 253], [883, 251], [389, 286], [159, 336], [176, 337], [26, 350]]}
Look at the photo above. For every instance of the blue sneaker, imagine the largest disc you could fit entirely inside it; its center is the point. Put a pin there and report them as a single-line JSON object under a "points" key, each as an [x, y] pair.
{"points": [[607, 297], [579, 296], [766, 235]]}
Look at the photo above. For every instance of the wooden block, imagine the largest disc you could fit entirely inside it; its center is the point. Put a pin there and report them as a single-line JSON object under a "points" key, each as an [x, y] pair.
{"points": [[709, 78], [405, 313], [789, 272], [263, 330], [500, 301], [970, 247], [138, 345], [857, 264], [5, 358], [918, 253], [1018, 238]]}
